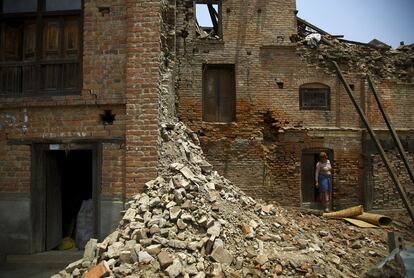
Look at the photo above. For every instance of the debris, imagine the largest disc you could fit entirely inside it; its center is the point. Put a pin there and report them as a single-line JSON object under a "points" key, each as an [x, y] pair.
{"points": [[183, 225], [98, 271], [221, 255], [353, 57], [165, 259]]}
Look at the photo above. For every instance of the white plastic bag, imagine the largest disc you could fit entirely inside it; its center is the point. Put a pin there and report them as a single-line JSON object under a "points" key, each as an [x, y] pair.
{"points": [[84, 224]]}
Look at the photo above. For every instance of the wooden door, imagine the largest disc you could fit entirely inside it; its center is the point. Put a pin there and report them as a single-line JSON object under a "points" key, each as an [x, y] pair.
{"points": [[219, 95], [53, 200], [308, 178]]}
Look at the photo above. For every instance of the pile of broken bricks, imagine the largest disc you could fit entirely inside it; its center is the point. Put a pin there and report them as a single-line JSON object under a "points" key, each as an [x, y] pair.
{"points": [[192, 222], [382, 63]]}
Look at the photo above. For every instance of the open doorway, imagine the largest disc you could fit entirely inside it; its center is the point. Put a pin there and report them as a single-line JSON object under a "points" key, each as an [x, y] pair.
{"points": [[310, 194], [63, 198]]}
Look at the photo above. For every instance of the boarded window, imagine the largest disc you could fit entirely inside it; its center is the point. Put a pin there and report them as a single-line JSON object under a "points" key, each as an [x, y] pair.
{"points": [[219, 94], [40, 51], [314, 97], [208, 19]]}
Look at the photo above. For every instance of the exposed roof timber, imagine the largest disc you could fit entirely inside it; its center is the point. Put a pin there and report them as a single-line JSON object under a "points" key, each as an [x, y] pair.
{"points": [[339, 37], [355, 42], [319, 30], [214, 16]]}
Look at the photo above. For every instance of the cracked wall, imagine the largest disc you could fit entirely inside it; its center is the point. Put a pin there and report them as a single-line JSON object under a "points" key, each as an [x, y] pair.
{"points": [[261, 150]]}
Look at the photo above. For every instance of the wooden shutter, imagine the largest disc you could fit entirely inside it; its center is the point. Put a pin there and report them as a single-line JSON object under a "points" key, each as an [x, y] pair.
{"points": [[227, 95], [71, 38], [71, 76], [12, 42], [10, 80], [71, 46], [51, 39], [29, 44], [29, 71], [210, 111]]}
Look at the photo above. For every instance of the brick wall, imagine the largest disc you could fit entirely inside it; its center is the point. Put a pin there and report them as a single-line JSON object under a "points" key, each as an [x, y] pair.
{"points": [[271, 130], [121, 60], [14, 168], [142, 92], [385, 194], [113, 170]]}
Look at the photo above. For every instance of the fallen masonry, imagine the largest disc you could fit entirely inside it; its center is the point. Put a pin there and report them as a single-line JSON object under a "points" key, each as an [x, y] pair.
{"points": [[192, 222]]}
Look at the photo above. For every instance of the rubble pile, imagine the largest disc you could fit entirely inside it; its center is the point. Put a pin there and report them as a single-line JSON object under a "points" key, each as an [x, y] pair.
{"points": [[192, 222], [380, 62]]}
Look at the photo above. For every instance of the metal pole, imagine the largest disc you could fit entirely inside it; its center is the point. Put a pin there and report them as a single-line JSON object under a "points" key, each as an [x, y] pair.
{"points": [[394, 134], [397, 184]]}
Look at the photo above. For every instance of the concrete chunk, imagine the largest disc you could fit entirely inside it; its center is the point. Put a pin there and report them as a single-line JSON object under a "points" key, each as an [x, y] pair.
{"points": [[90, 249], [144, 257], [175, 269], [221, 255], [71, 267], [165, 259]]}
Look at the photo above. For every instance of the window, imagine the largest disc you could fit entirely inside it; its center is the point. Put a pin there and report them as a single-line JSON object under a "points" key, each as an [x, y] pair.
{"points": [[219, 93], [40, 47], [314, 97], [208, 19]]}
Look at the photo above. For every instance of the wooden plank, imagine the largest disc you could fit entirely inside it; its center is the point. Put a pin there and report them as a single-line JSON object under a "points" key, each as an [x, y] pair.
{"points": [[67, 140], [37, 195], [227, 95], [360, 223], [53, 200], [96, 187], [308, 178], [210, 95]]}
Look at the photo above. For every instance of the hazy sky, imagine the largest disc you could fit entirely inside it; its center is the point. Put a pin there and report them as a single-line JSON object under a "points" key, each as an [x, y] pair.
{"points": [[390, 21]]}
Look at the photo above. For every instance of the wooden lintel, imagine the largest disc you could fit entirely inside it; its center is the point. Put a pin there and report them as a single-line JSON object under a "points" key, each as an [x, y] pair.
{"points": [[65, 141]]}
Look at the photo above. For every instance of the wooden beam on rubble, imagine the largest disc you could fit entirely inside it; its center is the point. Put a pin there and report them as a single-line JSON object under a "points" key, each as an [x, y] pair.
{"points": [[371, 132]]}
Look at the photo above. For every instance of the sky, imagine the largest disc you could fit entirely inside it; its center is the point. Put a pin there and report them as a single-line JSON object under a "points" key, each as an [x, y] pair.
{"points": [[389, 21], [203, 15]]}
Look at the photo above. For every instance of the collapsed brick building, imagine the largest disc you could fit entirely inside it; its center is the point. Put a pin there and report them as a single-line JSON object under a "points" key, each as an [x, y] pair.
{"points": [[81, 88]]}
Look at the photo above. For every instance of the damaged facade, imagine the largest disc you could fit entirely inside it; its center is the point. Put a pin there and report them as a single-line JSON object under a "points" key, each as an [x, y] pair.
{"points": [[81, 84]]}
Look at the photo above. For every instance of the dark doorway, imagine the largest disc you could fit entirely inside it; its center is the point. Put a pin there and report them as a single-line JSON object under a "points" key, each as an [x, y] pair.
{"points": [[310, 194], [68, 183], [63, 197]]}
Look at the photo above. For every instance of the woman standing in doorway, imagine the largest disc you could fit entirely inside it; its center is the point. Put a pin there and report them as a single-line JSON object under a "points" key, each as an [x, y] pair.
{"points": [[323, 179]]}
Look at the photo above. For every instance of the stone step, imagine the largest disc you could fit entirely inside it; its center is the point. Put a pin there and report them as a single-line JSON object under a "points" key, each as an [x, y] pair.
{"points": [[50, 257]]}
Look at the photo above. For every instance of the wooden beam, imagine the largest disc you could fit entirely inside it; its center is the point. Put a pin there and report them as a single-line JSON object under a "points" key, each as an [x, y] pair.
{"points": [[214, 16], [65, 141], [320, 31], [371, 132], [391, 128]]}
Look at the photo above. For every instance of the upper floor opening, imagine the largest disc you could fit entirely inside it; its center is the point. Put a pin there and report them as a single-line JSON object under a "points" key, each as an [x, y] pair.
{"points": [[208, 19]]}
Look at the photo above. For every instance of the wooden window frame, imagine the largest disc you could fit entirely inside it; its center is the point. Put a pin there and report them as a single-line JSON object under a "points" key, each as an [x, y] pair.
{"points": [[220, 14], [218, 106], [315, 88], [39, 17]]}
